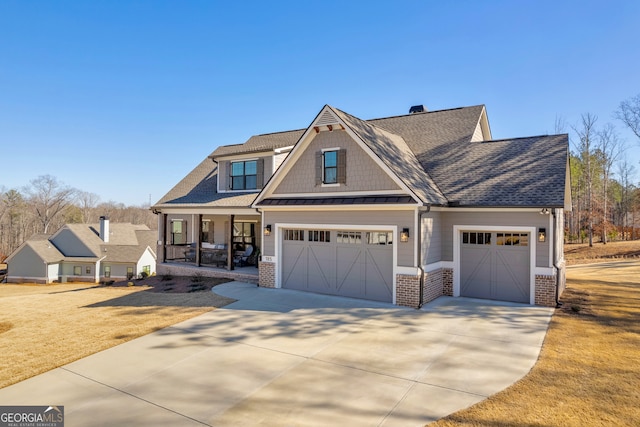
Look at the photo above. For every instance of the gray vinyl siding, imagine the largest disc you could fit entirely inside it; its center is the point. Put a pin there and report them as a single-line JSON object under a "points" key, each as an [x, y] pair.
{"points": [[404, 218], [118, 270], [26, 263], [522, 219], [69, 244], [362, 172], [432, 238]]}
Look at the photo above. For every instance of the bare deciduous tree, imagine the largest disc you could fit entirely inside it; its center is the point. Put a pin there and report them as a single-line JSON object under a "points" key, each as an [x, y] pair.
{"points": [[49, 198], [87, 202], [587, 134], [629, 113], [610, 148]]}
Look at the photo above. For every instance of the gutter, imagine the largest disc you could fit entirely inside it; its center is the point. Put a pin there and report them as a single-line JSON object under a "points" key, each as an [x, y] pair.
{"points": [[421, 211]]}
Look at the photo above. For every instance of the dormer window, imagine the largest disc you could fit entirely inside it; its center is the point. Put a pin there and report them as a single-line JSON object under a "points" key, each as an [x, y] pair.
{"points": [[244, 175], [330, 167]]}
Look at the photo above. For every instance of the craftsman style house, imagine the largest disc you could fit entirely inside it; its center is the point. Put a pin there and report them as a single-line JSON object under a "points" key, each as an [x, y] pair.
{"points": [[85, 253], [400, 209]]}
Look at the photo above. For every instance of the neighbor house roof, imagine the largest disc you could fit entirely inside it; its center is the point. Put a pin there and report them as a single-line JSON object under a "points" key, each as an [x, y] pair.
{"points": [[433, 153], [127, 242]]}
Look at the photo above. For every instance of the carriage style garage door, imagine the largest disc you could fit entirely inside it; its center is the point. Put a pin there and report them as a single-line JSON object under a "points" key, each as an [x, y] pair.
{"points": [[495, 265], [348, 263]]}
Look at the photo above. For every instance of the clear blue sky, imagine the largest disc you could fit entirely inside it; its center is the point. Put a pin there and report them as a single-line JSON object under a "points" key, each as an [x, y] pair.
{"points": [[124, 98]]}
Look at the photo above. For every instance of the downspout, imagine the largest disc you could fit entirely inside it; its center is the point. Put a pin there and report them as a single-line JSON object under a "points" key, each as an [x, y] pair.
{"points": [[553, 255], [421, 211]]}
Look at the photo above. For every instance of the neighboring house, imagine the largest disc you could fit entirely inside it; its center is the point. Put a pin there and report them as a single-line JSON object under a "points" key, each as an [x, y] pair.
{"points": [[85, 253], [400, 209]]}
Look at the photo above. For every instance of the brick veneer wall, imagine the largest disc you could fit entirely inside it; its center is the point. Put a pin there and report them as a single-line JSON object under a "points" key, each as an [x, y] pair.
{"points": [[408, 290], [267, 273], [545, 290], [433, 286], [447, 281]]}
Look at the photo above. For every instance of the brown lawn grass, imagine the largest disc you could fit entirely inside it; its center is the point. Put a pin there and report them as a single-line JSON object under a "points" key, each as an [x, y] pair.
{"points": [[44, 327], [581, 253], [588, 373]]}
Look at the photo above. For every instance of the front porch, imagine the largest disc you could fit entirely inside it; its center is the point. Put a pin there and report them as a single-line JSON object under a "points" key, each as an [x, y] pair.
{"points": [[247, 274]]}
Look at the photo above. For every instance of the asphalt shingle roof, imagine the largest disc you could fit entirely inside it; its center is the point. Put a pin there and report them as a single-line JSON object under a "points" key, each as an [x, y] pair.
{"points": [[430, 152]]}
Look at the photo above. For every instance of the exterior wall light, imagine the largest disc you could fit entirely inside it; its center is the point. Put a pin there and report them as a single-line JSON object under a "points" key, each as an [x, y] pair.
{"points": [[267, 230], [542, 234], [404, 235]]}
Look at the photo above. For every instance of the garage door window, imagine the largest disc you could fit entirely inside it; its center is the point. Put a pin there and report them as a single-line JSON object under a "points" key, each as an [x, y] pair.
{"points": [[380, 238], [294, 235], [473, 238], [513, 239], [319, 236], [351, 237]]}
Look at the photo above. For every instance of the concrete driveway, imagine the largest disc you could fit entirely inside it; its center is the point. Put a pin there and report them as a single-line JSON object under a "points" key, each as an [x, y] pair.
{"points": [[288, 358]]}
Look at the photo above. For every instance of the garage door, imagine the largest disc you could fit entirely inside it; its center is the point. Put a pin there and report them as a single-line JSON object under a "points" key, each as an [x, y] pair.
{"points": [[495, 265], [349, 263]]}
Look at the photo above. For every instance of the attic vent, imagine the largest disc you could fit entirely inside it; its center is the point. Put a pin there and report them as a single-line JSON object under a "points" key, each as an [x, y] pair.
{"points": [[326, 118], [417, 109]]}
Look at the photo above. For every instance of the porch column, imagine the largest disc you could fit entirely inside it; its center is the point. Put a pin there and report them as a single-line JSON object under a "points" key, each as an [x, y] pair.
{"points": [[198, 240], [230, 244], [163, 234]]}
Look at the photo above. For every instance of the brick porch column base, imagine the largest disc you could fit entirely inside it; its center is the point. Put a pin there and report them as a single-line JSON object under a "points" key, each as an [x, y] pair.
{"points": [[267, 274], [408, 290]]}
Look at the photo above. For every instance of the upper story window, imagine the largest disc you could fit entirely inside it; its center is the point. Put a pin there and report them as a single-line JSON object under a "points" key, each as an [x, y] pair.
{"points": [[244, 175], [331, 167]]}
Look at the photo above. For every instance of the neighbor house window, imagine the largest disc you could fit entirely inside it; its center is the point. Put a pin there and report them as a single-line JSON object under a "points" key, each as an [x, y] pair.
{"points": [[77, 271], [330, 167], [147, 269], [129, 272], [244, 175], [88, 270], [107, 271]]}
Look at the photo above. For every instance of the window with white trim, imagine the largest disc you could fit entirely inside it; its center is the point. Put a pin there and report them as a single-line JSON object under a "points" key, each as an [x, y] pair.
{"points": [[350, 237], [476, 238], [379, 238], [513, 239]]}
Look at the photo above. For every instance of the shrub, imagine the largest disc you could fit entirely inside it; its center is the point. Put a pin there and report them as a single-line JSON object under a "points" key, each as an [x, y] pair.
{"points": [[143, 275], [197, 278], [166, 277]]}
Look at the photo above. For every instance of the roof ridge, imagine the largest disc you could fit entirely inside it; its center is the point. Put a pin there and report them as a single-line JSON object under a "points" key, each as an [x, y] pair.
{"points": [[524, 137], [424, 112]]}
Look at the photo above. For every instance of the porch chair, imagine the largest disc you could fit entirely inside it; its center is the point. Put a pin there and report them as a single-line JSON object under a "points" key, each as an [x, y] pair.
{"points": [[242, 259]]}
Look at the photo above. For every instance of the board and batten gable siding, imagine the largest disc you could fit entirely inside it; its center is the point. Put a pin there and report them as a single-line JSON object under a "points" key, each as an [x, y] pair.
{"points": [[431, 238], [69, 244], [225, 165], [146, 259], [316, 220], [362, 172], [500, 219]]}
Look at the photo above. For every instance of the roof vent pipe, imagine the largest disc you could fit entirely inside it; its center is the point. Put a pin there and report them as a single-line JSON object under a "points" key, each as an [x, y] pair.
{"points": [[417, 109], [104, 228]]}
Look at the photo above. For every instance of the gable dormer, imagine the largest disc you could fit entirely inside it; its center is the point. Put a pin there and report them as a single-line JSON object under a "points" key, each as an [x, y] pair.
{"points": [[333, 159]]}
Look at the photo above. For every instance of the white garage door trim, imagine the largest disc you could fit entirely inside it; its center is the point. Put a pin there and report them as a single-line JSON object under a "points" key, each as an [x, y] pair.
{"points": [[457, 229], [281, 226]]}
